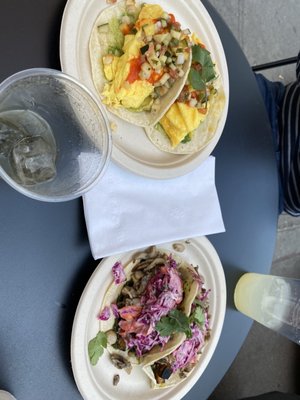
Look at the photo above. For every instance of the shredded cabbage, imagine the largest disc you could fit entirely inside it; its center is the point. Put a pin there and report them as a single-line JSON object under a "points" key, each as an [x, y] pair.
{"points": [[118, 273], [164, 291], [104, 314]]}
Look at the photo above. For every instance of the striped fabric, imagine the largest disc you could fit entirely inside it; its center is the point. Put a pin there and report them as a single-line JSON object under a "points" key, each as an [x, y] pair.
{"points": [[289, 131]]}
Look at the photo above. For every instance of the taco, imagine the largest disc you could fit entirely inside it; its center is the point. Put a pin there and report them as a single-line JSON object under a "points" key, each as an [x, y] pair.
{"points": [[140, 58], [158, 317], [192, 120]]}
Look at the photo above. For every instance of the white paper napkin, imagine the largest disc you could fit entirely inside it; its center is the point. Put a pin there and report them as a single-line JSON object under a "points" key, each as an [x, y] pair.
{"points": [[126, 211]]}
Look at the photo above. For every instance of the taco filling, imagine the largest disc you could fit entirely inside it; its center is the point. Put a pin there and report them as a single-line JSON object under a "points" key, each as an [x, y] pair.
{"points": [[190, 122], [172, 368], [146, 53], [156, 316]]}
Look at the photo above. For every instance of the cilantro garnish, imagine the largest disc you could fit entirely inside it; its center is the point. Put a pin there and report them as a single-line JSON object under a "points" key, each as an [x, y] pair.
{"points": [[198, 316], [202, 69], [96, 347], [175, 321]]}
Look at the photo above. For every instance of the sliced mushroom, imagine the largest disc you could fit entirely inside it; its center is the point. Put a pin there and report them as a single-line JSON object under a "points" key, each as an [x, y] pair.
{"points": [[178, 247], [116, 379], [151, 252], [142, 264], [155, 263], [137, 275], [142, 284], [119, 361], [129, 291]]}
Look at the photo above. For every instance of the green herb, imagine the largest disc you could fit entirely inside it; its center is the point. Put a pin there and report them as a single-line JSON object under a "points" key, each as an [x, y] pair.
{"points": [[187, 138], [199, 303], [198, 316], [198, 77], [115, 51], [175, 321], [96, 347]]}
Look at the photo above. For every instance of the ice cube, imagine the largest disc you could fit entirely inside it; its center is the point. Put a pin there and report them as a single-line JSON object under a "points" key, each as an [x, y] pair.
{"points": [[9, 136], [33, 160]]}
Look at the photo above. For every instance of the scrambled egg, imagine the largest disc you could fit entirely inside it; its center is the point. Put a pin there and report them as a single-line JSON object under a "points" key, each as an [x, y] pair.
{"points": [[118, 92], [150, 11], [180, 120]]}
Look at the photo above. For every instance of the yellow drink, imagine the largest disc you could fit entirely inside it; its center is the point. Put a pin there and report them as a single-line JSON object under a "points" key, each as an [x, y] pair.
{"points": [[272, 301]]}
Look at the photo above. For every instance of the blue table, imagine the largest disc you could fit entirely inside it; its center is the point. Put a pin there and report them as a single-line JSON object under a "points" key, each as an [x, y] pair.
{"points": [[45, 257]]}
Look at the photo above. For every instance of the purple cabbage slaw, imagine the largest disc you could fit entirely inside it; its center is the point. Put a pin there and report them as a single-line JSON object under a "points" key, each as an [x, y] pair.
{"points": [[163, 293]]}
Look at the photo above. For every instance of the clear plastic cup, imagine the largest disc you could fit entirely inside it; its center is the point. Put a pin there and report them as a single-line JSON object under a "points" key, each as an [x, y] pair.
{"points": [[273, 301], [55, 140]]}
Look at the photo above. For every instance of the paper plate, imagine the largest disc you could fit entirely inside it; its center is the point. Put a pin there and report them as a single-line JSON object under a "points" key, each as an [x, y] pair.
{"points": [[131, 147], [96, 382]]}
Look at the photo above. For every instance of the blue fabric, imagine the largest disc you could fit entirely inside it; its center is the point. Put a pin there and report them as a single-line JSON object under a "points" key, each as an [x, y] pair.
{"points": [[272, 94]]}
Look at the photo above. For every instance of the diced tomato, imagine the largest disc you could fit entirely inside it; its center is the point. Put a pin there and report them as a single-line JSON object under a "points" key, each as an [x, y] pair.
{"points": [[130, 312], [172, 18], [202, 110], [125, 28], [154, 77], [135, 69], [131, 327]]}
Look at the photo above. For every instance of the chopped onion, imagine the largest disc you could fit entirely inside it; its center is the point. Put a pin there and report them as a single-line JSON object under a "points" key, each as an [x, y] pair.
{"points": [[175, 34], [180, 72], [108, 59], [163, 59], [180, 59], [145, 71], [126, 19], [161, 90], [156, 105], [146, 67], [164, 23], [164, 78], [158, 25], [193, 102]]}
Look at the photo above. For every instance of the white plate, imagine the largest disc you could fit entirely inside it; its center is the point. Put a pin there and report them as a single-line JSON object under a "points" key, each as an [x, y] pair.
{"points": [[131, 147], [95, 383]]}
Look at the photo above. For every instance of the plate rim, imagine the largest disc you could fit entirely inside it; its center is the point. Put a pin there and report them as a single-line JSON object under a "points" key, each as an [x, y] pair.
{"points": [[79, 330]]}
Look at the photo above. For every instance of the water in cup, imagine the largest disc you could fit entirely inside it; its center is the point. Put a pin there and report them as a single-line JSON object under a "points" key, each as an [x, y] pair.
{"points": [[9, 135], [33, 160], [272, 301], [55, 141], [27, 141]]}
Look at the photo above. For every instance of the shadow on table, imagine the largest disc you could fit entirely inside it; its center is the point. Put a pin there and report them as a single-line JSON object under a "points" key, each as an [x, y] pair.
{"points": [[232, 275], [73, 294], [54, 36], [6, 382]]}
